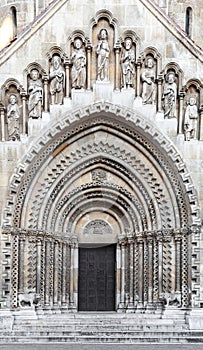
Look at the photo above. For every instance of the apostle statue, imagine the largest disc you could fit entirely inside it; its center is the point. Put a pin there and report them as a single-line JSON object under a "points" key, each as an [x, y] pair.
{"points": [[148, 77], [169, 96], [57, 80], [103, 52], [35, 91], [128, 64], [79, 65], [191, 119], [13, 118]]}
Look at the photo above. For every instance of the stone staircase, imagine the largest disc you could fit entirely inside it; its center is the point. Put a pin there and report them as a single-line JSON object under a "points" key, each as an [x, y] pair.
{"points": [[101, 328]]}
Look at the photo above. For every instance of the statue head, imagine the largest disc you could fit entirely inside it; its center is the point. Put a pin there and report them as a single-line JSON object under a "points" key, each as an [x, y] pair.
{"points": [[103, 34], [128, 43], [170, 78], [150, 62], [78, 43], [192, 101], [34, 74], [56, 61], [12, 99]]}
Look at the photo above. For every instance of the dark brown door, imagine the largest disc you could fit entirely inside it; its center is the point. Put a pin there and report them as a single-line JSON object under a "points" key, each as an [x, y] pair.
{"points": [[97, 279]]}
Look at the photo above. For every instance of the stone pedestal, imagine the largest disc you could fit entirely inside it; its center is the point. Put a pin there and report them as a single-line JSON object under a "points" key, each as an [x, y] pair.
{"points": [[6, 320], [26, 313], [81, 97], [195, 319], [103, 90], [125, 97]]}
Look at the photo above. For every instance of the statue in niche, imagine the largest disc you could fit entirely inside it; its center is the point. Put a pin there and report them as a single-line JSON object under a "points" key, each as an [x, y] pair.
{"points": [[35, 91], [13, 118], [57, 80], [148, 82], [79, 65], [191, 119], [128, 64], [170, 96], [103, 51]]}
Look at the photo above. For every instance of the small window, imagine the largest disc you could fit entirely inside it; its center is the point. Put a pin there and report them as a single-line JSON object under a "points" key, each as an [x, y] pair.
{"points": [[14, 20], [188, 21]]}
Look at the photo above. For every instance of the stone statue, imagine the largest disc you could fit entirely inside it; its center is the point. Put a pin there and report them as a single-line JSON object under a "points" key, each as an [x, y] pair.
{"points": [[148, 82], [169, 96], [57, 80], [127, 64], [35, 91], [79, 65], [13, 118], [191, 119], [103, 56]]}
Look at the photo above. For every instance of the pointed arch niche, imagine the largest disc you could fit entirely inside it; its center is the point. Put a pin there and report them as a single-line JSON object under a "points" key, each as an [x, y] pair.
{"points": [[107, 169]]}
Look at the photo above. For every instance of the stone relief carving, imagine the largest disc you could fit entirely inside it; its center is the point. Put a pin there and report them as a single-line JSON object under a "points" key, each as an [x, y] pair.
{"points": [[13, 118], [35, 90], [79, 65], [99, 175], [169, 95], [128, 64], [191, 119], [148, 77], [171, 299], [103, 51], [28, 299], [97, 227], [57, 80]]}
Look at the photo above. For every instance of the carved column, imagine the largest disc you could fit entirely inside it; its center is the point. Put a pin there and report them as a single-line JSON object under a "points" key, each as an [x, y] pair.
{"points": [[73, 274], [180, 120], [64, 274], [160, 252], [136, 272], [21, 263], [138, 77], [68, 87], [146, 271], [42, 266], [118, 274], [56, 267], [156, 271], [38, 277], [140, 269], [117, 59], [24, 112], [2, 114], [46, 97], [160, 80], [178, 263], [51, 273], [150, 269], [184, 268], [47, 275], [15, 271], [131, 272], [89, 51]]}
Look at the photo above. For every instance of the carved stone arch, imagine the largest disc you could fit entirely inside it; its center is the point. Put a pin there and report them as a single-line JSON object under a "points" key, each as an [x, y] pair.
{"points": [[103, 13], [152, 51], [76, 34], [14, 85], [174, 67], [135, 39], [30, 67]]}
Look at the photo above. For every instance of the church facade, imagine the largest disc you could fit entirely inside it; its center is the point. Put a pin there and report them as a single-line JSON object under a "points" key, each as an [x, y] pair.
{"points": [[101, 148]]}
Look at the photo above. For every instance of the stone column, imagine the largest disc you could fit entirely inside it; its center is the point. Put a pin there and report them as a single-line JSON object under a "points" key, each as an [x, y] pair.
{"points": [[178, 263], [68, 87], [2, 114], [136, 272], [24, 112], [64, 274], [159, 92], [156, 271], [131, 272], [118, 274], [46, 97], [160, 252], [15, 271], [140, 270], [180, 119], [201, 124], [38, 277], [184, 268], [56, 267], [117, 61], [89, 51], [74, 275], [146, 272], [47, 275], [138, 77], [21, 263], [150, 269]]}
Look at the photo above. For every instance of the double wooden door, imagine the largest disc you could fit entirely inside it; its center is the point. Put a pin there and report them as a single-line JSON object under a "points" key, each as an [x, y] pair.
{"points": [[97, 279]]}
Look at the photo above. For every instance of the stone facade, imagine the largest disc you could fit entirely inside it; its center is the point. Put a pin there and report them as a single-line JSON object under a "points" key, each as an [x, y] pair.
{"points": [[101, 143]]}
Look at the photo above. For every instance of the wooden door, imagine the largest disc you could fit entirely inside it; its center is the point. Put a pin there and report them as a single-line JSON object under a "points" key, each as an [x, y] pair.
{"points": [[97, 279]]}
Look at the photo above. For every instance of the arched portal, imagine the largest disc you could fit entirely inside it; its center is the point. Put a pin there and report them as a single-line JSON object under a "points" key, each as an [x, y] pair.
{"points": [[102, 176]]}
